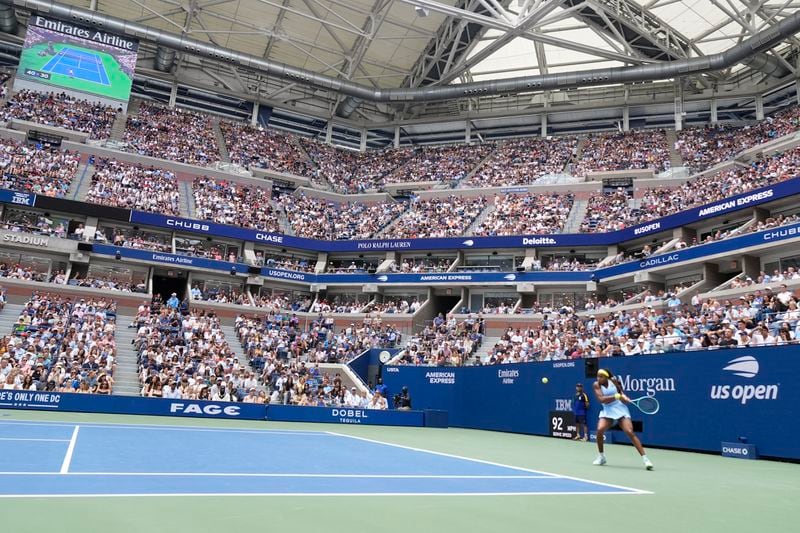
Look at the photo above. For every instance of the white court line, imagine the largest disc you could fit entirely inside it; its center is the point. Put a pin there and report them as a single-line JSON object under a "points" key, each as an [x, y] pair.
{"points": [[269, 475], [44, 406], [443, 454], [38, 406], [321, 494], [34, 440], [70, 451], [168, 428]]}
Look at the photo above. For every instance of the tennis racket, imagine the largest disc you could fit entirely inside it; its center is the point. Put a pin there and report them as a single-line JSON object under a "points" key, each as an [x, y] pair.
{"points": [[646, 404]]}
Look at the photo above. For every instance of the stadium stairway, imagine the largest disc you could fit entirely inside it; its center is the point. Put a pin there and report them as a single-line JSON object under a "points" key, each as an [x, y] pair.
{"points": [[118, 128], [283, 220], [480, 218], [236, 346], [223, 148], [126, 377], [484, 349], [578, 152], [576, 216], [468, 175], [82, 182], [675, 158], [187, 200], [387, 229], [9, 317]]}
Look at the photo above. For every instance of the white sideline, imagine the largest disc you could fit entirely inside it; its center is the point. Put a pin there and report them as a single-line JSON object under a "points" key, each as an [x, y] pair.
{"points": [[70, 451]]}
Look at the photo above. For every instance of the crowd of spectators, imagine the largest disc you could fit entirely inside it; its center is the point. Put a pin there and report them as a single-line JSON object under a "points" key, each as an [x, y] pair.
{"points": [[185, 355], [267, 148], [172, 134], [29, 272], [280, 336], [437, 217], [446, 164], [61, 111], [283, 302], [345, 171], [134, 238], [524, 161], [394, 305], [33, 222], [446, 341], [761, 318], [317, 218], [288, 356], [134, 186], [411, 265], [301, 264], [527, 214], [106, 283], [221, 295], [704, 147], [40, 170], [613, 211], [339, 303], [564, 264], [228, 202], [660, 202], [644, 149], [61, 345], [610, 211]]}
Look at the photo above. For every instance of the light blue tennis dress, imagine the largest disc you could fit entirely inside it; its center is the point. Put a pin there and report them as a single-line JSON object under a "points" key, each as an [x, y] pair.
{"points": [[616, 409]]}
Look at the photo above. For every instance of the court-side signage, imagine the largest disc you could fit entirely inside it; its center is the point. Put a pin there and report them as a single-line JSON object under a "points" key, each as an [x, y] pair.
{"points": [[17, 198], [170, 259], [696, 252], [738, 450], [741, 397], [128, 405], [212, 229], [728, 205], [345, 415]]}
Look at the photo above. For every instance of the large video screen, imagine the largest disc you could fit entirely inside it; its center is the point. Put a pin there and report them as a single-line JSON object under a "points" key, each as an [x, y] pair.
{"points": [[78, 59]]}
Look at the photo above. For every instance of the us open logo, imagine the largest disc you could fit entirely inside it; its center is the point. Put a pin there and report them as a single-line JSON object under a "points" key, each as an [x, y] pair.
{"points": [[745, 367]]}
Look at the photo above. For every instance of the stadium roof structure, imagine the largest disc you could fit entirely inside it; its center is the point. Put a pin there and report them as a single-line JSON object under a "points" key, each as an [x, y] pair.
{"points": [[386, 45]]}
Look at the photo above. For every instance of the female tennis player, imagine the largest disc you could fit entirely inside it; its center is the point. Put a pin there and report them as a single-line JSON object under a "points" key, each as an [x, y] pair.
{"points": [[608, 391]]}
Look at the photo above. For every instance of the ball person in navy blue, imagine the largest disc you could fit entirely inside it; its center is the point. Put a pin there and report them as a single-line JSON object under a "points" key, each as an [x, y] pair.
{"points": [[580, 407]]}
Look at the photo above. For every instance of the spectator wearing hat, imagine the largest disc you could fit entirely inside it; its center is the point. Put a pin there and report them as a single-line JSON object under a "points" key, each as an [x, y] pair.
{"points": [[580, 407]]}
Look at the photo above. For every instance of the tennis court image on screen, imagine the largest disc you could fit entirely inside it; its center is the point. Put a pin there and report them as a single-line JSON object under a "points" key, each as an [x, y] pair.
{"points": [[78, 59]]}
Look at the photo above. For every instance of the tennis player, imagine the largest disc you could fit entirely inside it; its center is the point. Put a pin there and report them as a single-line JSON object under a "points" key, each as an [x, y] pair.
{"points": [[608, 391]]}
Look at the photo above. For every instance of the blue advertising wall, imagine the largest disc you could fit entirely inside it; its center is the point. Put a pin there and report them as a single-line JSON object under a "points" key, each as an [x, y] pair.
{"points": [[127, 405], [344, 415], [728, 205], [134, 405], [725, 246], [706, 397]]}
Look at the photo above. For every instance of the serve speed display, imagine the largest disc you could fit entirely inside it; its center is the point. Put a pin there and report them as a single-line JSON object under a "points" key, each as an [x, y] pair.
{"points": [[562, 424]]}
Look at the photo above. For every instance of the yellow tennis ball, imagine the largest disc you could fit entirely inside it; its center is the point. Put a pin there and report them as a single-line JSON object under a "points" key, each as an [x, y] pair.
{"points": [[545, 380]]}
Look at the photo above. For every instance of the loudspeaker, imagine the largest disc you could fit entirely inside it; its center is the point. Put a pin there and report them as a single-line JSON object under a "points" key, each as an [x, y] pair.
{"points": [[591, 367], [371, 270], [84, 247], [253, 270], [520, 269]]}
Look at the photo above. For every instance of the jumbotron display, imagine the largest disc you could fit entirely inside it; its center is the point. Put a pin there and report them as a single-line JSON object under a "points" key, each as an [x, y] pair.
{"points": [[79, 59]]}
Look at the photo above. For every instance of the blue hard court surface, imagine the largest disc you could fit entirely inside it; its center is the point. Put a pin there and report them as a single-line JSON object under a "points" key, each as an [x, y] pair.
{"points": [[78, 64], [53, 459]]}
